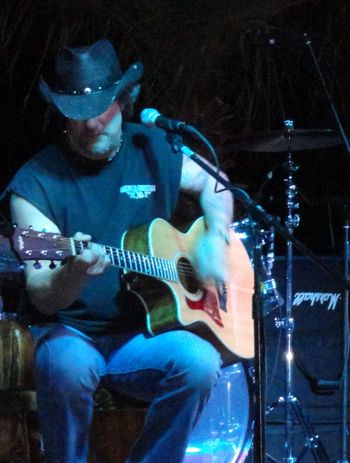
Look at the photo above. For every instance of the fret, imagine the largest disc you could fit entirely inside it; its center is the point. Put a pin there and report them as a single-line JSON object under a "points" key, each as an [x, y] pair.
{"points": [[169, 269], [161, 269], [134, 255], [168, 265], [128, 260], [147, 264], [165, 272], [173, 272], [117, 257], [113, 256], [73, 246], [139, 261], [166, 269], [155, 261], [109, 253], [133, 261], [77, 247], [153, 267], [122, 258]]}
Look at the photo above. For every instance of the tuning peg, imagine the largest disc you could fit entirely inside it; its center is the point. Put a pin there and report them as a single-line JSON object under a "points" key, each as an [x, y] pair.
{"points": [[37, 265], [52, 265]]}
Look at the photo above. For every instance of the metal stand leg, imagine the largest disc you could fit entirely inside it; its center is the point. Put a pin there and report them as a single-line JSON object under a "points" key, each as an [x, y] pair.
{"points": [[346, 340], [291, 404], [312, 440]]}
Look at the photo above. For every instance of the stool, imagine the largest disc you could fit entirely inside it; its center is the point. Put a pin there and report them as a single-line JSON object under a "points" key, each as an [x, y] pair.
{"points": [[117, 419]]}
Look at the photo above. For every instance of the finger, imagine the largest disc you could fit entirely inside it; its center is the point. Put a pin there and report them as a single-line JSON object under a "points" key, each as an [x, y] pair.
{"points": [[99, 266], [82, 236]]}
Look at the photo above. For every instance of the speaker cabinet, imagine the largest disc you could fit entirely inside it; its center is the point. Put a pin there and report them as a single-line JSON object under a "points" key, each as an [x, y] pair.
{"points": [[317, 346]]}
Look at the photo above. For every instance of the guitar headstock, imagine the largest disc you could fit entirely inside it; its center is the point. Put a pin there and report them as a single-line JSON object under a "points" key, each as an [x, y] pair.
{"points": [[34, 245]]}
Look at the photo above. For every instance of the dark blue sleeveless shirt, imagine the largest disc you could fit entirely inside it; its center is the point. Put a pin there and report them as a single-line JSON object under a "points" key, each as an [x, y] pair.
{"points": [[138, 185]]}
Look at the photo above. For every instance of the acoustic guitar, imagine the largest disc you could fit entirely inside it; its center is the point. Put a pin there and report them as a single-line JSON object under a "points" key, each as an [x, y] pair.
{"points": [[157, 260]]}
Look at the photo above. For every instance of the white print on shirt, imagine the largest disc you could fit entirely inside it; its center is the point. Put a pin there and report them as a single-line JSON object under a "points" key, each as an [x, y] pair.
{"points": [[138, 191]]}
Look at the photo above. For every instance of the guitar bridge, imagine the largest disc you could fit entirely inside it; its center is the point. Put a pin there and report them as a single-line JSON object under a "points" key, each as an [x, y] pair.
{"points": [[222, 296]]}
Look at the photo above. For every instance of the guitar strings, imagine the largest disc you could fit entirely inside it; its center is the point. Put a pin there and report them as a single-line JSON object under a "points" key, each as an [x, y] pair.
{"points": [[183, 267]]}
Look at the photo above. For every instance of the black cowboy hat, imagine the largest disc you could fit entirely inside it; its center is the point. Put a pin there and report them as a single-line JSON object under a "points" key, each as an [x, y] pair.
{"points": [[88, 79]]}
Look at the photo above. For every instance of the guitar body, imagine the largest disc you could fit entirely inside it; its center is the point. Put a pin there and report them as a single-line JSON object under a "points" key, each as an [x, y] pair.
{"points": [[222, 315]]}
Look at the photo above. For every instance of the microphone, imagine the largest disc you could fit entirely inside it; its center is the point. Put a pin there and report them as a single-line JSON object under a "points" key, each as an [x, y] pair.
{"points": [[150, 117]]}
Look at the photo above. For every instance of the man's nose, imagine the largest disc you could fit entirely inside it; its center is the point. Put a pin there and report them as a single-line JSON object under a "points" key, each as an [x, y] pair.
{"points": [[94, 124]]}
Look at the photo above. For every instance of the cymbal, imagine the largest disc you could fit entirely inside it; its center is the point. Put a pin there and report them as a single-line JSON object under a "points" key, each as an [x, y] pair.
{"points": [[278, 141]]}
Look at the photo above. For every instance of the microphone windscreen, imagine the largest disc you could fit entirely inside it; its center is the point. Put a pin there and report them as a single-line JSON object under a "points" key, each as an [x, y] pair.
{"points": [[148, 117]]}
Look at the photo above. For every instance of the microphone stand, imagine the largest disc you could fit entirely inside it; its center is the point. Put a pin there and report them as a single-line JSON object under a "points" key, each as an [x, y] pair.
{"points": [[261, 215], [346, 339], [344, 381], [259, 361]]}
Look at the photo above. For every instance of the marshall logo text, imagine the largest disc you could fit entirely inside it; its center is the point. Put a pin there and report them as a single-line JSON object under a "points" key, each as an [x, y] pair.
{"points": [[314, 298]]}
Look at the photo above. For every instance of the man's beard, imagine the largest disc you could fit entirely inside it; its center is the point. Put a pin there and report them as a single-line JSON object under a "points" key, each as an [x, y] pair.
{"points": [[103, 146]]}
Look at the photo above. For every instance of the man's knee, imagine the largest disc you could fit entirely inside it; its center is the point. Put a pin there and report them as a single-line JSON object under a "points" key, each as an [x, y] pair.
{"points": [[200, 362], [65, 367]]}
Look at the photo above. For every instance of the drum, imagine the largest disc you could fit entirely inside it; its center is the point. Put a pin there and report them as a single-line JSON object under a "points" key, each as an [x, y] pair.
{"points": [[224, 432], [243, 230], [270, 296]]}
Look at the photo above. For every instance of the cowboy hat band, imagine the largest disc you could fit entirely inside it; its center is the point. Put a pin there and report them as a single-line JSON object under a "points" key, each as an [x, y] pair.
{"points": [[87, 80]]}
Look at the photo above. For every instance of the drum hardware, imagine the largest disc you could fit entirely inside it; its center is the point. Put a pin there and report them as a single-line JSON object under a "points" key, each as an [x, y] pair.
{"points": [[224, 431], [271, 297], [281, 141], [289, 401]]}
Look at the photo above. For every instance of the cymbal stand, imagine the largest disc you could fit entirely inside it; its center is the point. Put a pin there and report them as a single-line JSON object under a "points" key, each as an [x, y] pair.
{"points": [[291, 404], [344, 424], [346, 338]]}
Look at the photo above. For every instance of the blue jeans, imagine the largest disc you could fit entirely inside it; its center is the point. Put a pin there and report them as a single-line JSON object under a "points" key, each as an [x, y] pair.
{"points": [[174, 371]]}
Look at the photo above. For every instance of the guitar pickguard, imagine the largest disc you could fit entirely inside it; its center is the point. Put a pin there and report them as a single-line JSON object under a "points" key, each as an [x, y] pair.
{"points": [[209, 304]]}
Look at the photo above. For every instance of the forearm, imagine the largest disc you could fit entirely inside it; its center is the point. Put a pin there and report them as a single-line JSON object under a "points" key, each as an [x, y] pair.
{"points": [[217, 208], [52, 289], [211, 253]]}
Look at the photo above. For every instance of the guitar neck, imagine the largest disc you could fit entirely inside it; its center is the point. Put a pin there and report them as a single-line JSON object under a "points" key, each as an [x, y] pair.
{"points": [[134, 261], [34, 245]]}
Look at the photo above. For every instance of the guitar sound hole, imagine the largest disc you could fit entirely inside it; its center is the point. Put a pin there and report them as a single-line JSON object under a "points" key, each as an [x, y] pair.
{"points": [[187, 275]]}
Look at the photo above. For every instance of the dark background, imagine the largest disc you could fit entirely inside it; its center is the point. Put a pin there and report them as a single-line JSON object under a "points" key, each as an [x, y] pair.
{"points": [[211, 64]]}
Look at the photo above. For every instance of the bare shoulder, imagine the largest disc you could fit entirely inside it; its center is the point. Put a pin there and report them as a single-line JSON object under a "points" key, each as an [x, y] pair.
{"points": [[25, 215]]}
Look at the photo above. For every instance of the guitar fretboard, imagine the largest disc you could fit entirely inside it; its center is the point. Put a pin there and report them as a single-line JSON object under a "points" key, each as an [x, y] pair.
{"points": [[136, 262]]}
